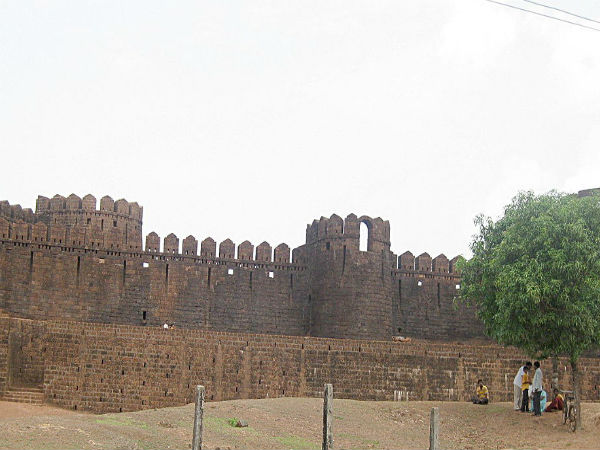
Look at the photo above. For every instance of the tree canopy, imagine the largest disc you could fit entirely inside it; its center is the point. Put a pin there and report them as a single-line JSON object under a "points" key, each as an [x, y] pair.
{"points": [[535, 274]]}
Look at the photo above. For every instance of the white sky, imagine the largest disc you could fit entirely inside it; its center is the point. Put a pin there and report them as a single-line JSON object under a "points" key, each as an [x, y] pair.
{"points": [[250, 119]]}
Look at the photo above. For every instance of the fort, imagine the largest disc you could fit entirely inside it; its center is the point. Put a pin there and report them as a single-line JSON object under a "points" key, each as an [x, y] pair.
{"points": [[84, 299]]}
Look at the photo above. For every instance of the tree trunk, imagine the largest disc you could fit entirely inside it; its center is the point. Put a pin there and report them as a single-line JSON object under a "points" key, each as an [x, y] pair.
{"points": [[554, 374], [577, 392]]}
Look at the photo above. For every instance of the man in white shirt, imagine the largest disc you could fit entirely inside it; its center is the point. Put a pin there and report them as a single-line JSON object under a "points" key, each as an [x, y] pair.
{"points": [[517, 385], [536, 387]]}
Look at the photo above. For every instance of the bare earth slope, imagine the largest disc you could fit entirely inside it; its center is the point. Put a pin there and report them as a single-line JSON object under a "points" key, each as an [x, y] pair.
{"points": [[286, 423]]}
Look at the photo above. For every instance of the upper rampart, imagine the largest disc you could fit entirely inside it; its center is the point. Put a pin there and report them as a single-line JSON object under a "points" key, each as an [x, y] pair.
{"points": [[16, 212], [59, 205], [227, 250], [75, 221], [75, 258]]}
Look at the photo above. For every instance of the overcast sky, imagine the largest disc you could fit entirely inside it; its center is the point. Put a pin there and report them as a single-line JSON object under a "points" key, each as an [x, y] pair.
{"points": [[249, 119]]}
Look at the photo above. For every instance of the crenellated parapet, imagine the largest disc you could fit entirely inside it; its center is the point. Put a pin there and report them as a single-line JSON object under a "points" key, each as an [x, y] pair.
{"points": [[208, 248], [227, 249], [264, 252], [190, 246], [59, 204], [246, 252], [171, 244], [13, 213], [282, 253], [113, 225], [349, 229], [87, 255], [424, 263], [152, 243], [440, 264]]}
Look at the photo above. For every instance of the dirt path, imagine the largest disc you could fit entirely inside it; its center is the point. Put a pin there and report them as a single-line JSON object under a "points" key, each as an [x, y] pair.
{"points": [[287, 423]]}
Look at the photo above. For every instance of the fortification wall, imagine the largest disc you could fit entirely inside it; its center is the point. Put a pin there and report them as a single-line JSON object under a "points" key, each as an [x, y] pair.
{"points": [[16, 213], [424, 297], [351, 296], [40, 281], [114, 225], [102, 368], [76, 260], [371, 293]]}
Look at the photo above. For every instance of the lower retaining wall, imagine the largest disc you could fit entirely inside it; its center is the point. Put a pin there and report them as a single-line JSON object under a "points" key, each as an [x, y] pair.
{"points": [[105, 368]]}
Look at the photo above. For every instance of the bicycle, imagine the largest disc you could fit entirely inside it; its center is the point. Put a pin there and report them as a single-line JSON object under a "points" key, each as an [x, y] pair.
{"points": [[570, 410]]}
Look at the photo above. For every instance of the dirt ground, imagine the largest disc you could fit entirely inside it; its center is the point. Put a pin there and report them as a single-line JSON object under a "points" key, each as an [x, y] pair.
{"points": [[294, 423]]}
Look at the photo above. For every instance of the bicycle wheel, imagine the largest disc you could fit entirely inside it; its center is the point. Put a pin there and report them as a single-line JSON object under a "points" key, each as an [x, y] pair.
{"points": [[565, 414], [572, 419]]}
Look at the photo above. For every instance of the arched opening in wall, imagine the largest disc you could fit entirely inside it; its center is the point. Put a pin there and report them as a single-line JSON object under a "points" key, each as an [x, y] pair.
{"points": [[364, 237]]}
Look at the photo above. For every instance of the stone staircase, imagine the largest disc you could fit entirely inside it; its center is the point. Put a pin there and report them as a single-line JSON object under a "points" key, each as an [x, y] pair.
{"points": [[33, 395]]}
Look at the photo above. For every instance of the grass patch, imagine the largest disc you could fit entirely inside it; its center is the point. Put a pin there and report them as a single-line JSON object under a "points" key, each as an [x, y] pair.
{"points": [[224, 425], [296, 442], [494, 409], [217, 423], [145, 445], [362, 442], [121, 422]]}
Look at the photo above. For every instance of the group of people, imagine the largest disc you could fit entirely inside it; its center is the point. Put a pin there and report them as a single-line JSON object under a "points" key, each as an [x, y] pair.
{"points": [[528, 386], [527, 390], [526, 383]]}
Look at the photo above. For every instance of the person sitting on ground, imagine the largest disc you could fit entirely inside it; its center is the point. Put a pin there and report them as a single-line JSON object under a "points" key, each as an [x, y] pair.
{"points": [[543, 400], [525, 383], [557, 403], [482, 394]]}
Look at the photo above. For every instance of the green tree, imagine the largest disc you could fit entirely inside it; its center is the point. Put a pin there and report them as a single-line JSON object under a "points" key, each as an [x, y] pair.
{"points": [[535, 276]]}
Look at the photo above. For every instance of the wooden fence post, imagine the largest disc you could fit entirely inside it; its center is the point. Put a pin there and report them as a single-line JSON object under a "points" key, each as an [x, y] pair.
{"points": [[198, 413], [327, 417], [434, 429]]}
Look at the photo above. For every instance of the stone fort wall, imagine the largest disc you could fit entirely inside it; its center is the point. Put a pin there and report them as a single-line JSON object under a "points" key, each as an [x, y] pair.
{"points": [[82, 308], [103, 367], [72, 260]]}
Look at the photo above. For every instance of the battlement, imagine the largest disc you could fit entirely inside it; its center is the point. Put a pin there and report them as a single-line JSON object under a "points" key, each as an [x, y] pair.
{"points": [[59, 204], [208, 249], [424, 263], [114, 225], [15, 213], [86, 259], [335, 227]]}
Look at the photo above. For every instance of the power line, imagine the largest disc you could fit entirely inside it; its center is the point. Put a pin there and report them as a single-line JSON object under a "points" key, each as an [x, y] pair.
{"points": [[561, 10], [543, 15]]}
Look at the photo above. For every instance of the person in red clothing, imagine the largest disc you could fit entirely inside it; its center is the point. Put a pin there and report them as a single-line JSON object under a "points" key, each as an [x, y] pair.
{"points": [[558, 402]]}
